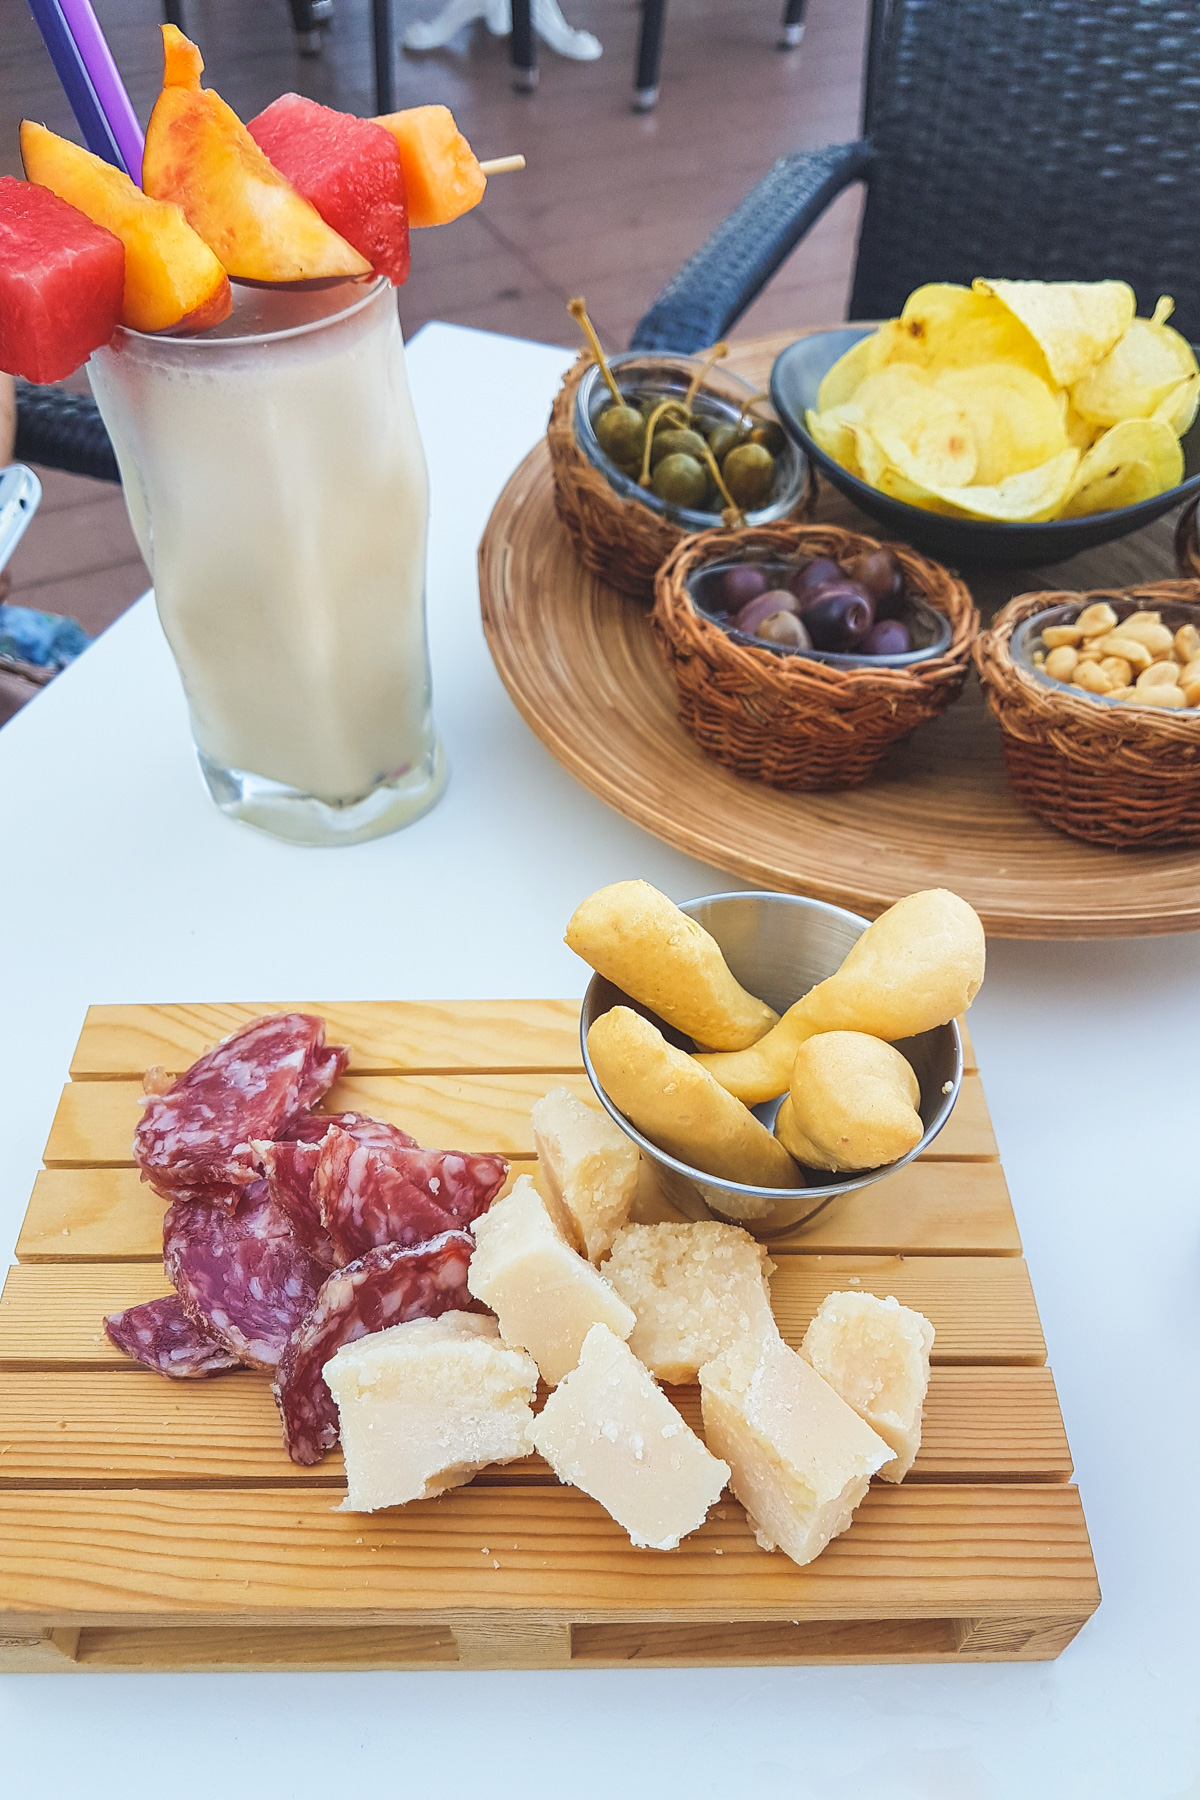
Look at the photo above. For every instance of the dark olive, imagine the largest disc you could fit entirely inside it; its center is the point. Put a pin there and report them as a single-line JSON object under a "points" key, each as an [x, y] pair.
{"points": [[770, 435], [891, 637], [813, 575], [879, 574], [722, 438], [749, 473], [741, 584], [838, 617], [677, 443], [762, 607], [680, 481], [621, 433], [785, 628]]}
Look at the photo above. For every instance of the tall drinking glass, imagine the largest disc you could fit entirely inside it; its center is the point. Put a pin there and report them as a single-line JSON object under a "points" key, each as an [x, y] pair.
{"points": [[276, 483]]}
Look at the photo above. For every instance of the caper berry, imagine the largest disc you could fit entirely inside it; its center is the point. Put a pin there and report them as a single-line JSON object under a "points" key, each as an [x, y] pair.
{"points": [[749, 473], [676, 443], [722, 438], [680, 480], [621, 433], [770, 435]]}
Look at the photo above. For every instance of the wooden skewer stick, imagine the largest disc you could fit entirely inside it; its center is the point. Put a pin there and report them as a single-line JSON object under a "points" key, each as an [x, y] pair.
{"points": [[502, 165]]}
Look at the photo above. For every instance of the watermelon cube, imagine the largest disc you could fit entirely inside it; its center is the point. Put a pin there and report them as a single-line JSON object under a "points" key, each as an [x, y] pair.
{"points": [[348, 168], [62, 281]]}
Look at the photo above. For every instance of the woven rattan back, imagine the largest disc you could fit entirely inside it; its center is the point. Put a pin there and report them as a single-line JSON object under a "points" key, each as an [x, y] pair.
{"points": [[1055, 139]]}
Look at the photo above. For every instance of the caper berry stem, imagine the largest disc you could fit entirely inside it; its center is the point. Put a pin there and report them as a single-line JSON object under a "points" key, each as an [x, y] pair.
{"points": [[579, 312], [710, 357], [738, 516], [663, 407], [751, 400]]}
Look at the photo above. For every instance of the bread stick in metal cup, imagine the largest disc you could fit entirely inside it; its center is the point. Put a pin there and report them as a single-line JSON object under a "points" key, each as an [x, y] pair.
{"points": [[667, 1095], [852, 1104]]}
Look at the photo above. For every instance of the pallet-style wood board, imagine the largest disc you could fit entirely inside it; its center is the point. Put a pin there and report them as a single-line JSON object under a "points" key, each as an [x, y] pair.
{"points": [[154, 1525]]}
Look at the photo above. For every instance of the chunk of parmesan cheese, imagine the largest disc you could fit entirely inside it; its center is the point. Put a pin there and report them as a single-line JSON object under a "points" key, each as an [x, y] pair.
{"points": [[695, 1290], [609, 1430], [546, 1296], [801, 1459], [425, 1405], [875, 1354], [589, 1165]]}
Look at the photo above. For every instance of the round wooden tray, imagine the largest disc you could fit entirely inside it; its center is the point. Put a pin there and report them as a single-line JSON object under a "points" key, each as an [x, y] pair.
{"points": [[583, 669]]}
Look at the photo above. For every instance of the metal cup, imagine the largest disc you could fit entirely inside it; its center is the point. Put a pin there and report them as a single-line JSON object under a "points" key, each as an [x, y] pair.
{"points": [[778, 946]]}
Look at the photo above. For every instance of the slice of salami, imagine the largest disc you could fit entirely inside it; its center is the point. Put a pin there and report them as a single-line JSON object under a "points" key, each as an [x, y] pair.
{"points": [[385, 1287], [162, 1336], [198, 1134], [290, 1164], [241, 1274], [369, 1197]]}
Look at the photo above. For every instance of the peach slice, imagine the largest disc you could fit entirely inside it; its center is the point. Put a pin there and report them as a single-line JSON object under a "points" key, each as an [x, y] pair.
{"points": [[441, 173], [200, 155], [171, 276]]}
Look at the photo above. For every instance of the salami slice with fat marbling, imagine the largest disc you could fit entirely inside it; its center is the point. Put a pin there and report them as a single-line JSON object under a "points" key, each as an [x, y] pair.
{"points": [[198, 1133], [162, 1336], [240, 1273], [290, 1164], [386, 1287], [370, 1195]]}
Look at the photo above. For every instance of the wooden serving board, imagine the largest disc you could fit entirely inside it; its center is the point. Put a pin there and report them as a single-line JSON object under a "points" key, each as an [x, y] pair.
{"points": [[153, 1525], [582, 668]]}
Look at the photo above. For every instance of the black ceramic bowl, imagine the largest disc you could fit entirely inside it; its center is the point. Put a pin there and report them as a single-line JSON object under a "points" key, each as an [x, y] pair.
{"points": [[795, 379]]}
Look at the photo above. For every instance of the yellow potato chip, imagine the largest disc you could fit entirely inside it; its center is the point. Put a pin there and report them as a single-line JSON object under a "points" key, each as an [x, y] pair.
{"points": [[922, 433], [835, 437], [1033, 495], [1017, 421], [1075, 322], [1141, 370], [1132, 461], [1178, 409], [948, 327], [841, 381]]}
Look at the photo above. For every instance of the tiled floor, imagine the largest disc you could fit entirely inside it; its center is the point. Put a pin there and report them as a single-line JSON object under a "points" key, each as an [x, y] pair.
{"points": [[610, 204]]}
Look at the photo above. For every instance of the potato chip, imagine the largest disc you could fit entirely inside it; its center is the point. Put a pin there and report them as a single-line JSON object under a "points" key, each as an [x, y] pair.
{"points": [[1017, 421], [1075, 322], [843, 378], [948, 327], [921, 432], [1132, 461], [1141, 370], [1178, 410], [1033, 495], [836, 438]]}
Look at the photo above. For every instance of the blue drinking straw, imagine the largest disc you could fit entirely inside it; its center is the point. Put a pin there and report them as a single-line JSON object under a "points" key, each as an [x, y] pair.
{"points": [[98, 134]]}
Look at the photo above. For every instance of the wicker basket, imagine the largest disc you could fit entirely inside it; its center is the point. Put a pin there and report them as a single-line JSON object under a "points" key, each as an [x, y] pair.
{"points": [[1114, 775], [791, 721]]}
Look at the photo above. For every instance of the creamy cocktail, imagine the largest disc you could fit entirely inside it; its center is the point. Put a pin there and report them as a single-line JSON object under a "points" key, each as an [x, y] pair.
{"points": [[277, 486]]}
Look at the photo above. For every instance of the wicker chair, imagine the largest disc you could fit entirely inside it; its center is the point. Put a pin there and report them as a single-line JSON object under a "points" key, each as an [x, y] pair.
{"points": [[1049, 139]]}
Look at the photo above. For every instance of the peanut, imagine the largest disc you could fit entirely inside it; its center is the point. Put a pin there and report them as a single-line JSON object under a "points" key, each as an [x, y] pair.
{"points": [[1060, 662], [1114, 644], [1094, 619], [1055, 637], [1159, 674], [1158, 639], [1121, 693], [1143, 618], [1091, 676], [1117, 670], [1191, 693], [1187, 643], [1163, 695]]}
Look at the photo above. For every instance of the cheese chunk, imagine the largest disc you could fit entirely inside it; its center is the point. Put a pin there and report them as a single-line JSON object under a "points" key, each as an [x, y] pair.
{"points": [[695, 1290], [589, 1165], [546, 1296], [610, 1431], [875, 1354], [426, 1405], [801, 1459]]}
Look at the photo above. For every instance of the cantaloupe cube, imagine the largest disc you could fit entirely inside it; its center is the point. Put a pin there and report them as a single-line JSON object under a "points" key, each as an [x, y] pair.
{"points": [[441, 172]]}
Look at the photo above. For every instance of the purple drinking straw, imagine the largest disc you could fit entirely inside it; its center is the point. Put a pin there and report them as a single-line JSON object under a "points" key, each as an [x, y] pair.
{"points": [[92, 45], [77, 83]]}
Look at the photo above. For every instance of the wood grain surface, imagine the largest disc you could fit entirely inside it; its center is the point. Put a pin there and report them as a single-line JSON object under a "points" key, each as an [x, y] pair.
{"points": [[582, 668], [147, 1524]]}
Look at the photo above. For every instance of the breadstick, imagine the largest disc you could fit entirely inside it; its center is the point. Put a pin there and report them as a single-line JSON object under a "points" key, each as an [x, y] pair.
{"points": [[852, 1104]]}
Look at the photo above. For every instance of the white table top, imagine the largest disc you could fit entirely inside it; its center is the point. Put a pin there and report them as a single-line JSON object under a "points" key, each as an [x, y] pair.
{"points": [[119, 881]]}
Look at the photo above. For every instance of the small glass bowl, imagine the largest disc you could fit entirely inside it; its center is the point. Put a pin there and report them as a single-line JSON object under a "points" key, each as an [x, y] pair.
{"points": [[658, 372], [931, 630], [1027, 640]]}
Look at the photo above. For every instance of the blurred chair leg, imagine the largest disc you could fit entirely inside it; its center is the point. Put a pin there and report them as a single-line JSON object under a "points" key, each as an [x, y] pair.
{"points": [[524, 47], [793, 23], [304, 26], [645, 82], [383, 46], [173, 14]]}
